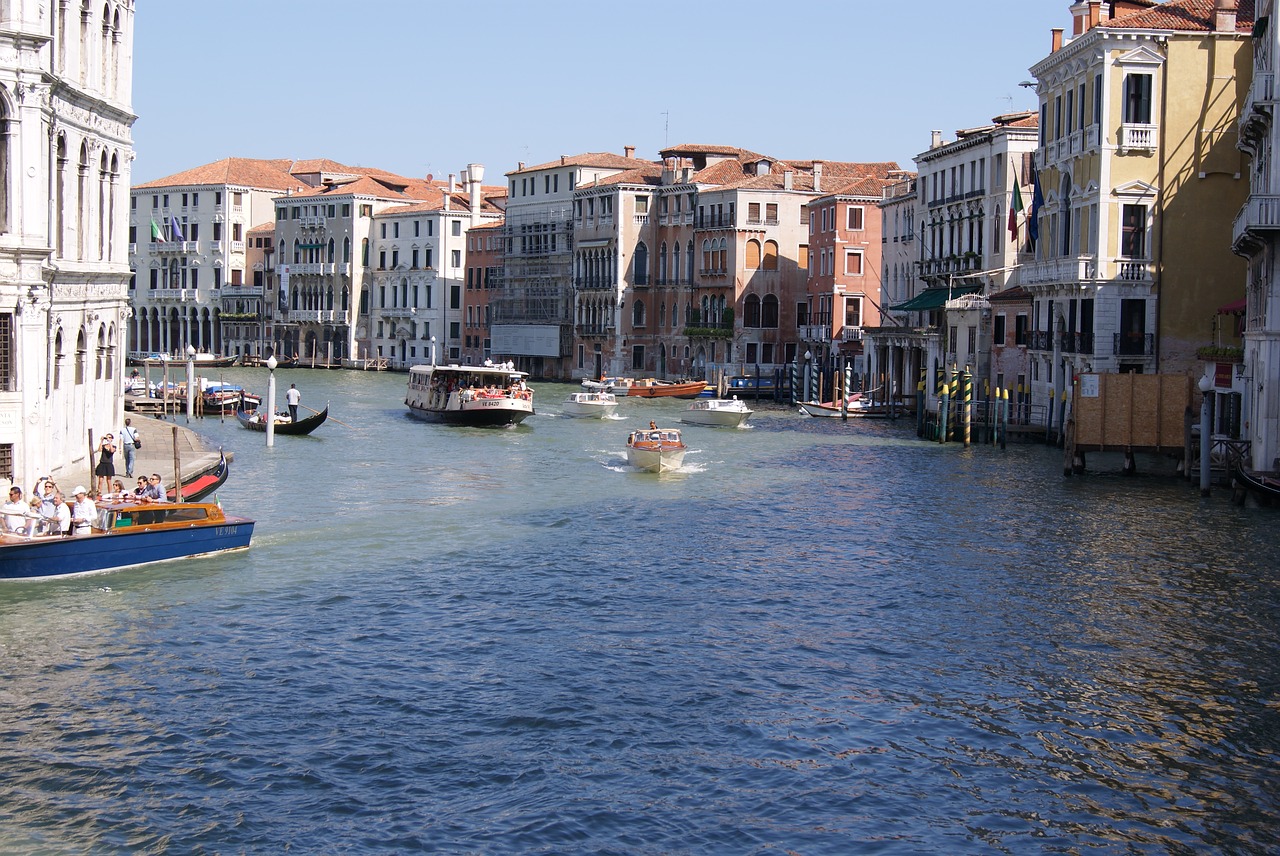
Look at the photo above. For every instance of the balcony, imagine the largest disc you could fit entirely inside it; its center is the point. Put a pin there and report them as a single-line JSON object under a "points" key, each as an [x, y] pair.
{"points": [[398, 312], [171, 295], [815, 333], [1134, 270], [1138, 138], [231, 292], [1040, 340], [1259, 214], [318, 316], [1060, 271], [237, 246], [1134, 344], [314, 269], [312, 221], [162, 247], [851, 334], [1075, 343], [1261, 92]]}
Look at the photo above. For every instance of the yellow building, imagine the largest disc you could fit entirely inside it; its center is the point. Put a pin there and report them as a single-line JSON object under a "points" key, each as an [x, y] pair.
{"points": [[1139, 181]]}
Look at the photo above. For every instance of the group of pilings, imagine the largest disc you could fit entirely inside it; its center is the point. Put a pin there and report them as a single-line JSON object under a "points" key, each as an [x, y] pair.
{"points": [[963, 418]]}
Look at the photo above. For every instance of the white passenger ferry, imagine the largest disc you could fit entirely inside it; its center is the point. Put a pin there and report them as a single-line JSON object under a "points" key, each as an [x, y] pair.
{"points": [[492, 395]]}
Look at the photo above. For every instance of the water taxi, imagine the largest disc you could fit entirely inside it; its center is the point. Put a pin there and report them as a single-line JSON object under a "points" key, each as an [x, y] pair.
{"points": [[653, 388], [125, 534], [657, 450], [718, 412], [597, 405], [486, 396]]}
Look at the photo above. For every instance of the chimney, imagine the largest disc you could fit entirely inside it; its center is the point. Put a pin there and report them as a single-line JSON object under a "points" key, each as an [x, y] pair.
{"points": [[817, 176], [788, 180], [453, 182], [936, 142], [1095, 13], [1224, 16], [629, 151], [564, 159], [475, 174], [1056, 43]]}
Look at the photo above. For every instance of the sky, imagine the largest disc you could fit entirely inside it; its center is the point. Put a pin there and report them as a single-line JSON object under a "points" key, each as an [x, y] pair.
{"points": [[421, 86]]}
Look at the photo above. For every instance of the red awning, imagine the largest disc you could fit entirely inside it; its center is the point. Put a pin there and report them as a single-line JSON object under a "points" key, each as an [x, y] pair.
{"points": [[1235, 307]]}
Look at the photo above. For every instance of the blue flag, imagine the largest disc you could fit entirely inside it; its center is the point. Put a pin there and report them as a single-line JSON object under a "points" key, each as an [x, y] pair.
{"points": [[176, 234]]}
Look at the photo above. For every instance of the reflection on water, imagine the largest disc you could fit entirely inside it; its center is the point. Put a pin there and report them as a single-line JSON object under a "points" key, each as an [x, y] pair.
{"points": [[825, 638]]}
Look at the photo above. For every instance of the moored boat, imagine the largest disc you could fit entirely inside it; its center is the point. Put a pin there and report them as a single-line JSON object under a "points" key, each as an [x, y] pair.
{"points": [[484, 396], [1265, 487], [657, 450], [857, 406], [228, 398], [201, 360], [753, 386], [597, 405], [617, 385], [719, 412], [255, 421], [654, 388], [125, 535], [197, 487]]}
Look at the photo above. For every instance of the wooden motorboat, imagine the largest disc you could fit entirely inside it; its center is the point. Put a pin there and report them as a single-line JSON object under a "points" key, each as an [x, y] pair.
{"points": [[228, 398], [483, 396], [255, 421], [654, 388], [657, 450], [596, 405], [617, 385], [203, 484], [753, 386], [126, 534], [719, 412]]}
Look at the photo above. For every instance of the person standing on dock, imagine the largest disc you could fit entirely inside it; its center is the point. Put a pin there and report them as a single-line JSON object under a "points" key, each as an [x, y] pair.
{"points": [[294, 397], [105, 471], [129, 439]]}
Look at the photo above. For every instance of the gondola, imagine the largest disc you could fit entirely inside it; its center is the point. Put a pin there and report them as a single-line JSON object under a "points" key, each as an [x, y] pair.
{"points": [[253, 421], [204, 484], [1265, 487]]}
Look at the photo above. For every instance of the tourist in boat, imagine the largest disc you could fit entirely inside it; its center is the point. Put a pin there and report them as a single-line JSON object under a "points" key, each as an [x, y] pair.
{"points": [[141, 488], [129, 438], [36, 518], [60, 520], [294, 397], [14, 511], [106, 468], [154, 491], [46, 497], [83, 513]]}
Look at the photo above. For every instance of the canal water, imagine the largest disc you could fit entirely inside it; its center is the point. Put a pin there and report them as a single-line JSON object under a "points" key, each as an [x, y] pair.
{"points": [[819, 638]]}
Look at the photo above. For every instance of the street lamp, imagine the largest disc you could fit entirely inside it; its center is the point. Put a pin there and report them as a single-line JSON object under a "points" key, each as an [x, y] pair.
{"points": [[191, 381], [433, 350], [271, 400], [1206, 441]]}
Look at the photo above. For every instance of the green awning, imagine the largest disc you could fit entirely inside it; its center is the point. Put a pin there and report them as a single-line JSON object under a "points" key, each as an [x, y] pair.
{"points": [[935, 298]]}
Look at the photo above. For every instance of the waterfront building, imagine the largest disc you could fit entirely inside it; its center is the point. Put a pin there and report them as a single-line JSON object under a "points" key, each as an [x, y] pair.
{"points": [[965, 251], [1256, 236], [1139, 178], [484, 277], [533, 314], [419, 266], [892, 347], [65, 159], [844, 286], [188, 247]]}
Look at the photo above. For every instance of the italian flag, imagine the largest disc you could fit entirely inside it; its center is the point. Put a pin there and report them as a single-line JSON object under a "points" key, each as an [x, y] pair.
{"points": [[156, 234], [1015, 208]]}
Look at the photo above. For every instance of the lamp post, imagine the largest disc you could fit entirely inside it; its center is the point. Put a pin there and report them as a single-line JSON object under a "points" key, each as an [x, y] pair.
{"points": [[433, 350], [271, 400], [1206, 441], [191, 381]]}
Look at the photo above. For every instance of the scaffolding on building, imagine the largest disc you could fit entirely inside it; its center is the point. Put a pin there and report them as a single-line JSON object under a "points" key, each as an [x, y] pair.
{"points": [[537, 286]]}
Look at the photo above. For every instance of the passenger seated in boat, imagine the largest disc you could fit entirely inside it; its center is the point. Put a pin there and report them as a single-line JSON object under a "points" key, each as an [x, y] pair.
{"points": [[14, 511]]}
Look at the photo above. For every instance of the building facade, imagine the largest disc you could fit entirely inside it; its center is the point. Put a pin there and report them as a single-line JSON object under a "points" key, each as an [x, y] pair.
{"points": [[1139, 178], [484, 278], [65, 158]]}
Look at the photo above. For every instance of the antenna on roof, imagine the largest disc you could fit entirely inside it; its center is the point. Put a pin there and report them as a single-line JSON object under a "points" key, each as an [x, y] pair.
{"points": [[666, 128]]}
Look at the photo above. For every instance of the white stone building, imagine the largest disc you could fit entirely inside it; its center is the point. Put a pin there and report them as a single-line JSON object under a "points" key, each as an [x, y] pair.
{"points": [[65, 157]]}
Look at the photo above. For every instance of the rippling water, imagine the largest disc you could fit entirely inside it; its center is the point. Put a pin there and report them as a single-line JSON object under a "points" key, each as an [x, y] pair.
{"points": [[818, 638]]}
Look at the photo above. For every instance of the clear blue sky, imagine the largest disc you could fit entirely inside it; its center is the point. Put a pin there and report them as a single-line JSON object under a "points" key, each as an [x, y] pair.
{"points": [[418, 86]]}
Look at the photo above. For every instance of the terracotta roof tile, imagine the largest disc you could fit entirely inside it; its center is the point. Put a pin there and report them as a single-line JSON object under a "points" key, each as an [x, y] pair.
{"points": [[239, 172], [1185, 15], [601, 159]]}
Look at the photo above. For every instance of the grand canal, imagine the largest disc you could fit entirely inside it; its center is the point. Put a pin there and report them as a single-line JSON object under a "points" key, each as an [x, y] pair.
{"points": [[820, 638]]}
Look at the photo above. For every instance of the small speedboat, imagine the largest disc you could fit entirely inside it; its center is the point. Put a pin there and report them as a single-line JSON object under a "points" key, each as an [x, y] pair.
{"points": [[856, 406], [607, 384], [657, 450], [719, 412], [597, 405], [654, 388]]}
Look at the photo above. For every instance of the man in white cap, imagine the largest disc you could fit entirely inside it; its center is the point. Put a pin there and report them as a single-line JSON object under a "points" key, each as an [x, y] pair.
{"points": [[83, 513]]}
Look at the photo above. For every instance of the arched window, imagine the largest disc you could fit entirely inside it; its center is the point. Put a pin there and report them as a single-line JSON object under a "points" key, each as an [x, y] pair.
{"points": [[346, 250], [637, 314], [364, 252], [769, 311], [81, 356], [297, 251], [4, 165], [770, 255], [722, 256], [662, 313], [641, 264], [662, 264], [753, 255], [330, 257], [706, 255], [751, 311]]}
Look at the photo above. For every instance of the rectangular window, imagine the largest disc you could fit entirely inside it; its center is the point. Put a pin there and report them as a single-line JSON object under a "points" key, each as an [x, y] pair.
{"points": [[853, 262], [753, 212], [855, 218], [853, 312], [456, 257], [8, 368], [414, 266], [1137, 99], [1097, 99], [455, 228], [771, 212], [395, 229], [1020, 329], [1133, 232], [195, 200], [998, 333], [455, 298]]}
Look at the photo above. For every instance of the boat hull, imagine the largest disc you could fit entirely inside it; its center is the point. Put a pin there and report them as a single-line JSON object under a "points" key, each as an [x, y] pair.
{"points": [[716, 413], [494, 413], [204, 484], [302, 426], [655, 461], [48, 557], [589, 411], [831, 410], [659, 389]]}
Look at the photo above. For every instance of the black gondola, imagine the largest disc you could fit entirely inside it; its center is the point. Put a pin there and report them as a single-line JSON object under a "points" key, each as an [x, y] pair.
{"points": [[254, 422], [204, 484], [1265, 487]]}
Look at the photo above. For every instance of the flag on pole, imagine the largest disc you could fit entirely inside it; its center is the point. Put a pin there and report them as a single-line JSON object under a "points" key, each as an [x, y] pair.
{"points": [[176, 229], [1037, 200], [1015, 208], [157, 234]]}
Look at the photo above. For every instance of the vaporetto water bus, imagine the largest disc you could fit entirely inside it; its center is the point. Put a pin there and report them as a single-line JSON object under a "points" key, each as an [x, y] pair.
{"points": [[488, 396]]}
